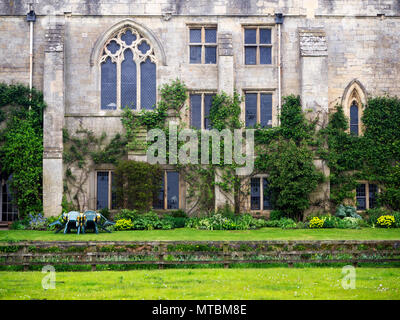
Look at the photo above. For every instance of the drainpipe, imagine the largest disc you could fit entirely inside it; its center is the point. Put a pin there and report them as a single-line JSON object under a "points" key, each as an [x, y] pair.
{"points": [[31, 18], [279, 21]]}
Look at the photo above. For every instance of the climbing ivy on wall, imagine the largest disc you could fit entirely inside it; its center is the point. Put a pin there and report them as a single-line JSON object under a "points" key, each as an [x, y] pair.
{"points": [[372, 156], [286, 154], [21, 144]]}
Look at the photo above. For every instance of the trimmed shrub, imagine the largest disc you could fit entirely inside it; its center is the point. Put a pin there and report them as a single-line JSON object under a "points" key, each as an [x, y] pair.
{"points": [[386, 221]]}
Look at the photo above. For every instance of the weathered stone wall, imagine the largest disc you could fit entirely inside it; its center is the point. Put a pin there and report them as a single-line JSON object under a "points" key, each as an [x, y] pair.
{"points": [[360, 41]]}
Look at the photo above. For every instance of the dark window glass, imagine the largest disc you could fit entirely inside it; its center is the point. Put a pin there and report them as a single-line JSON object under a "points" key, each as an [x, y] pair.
{"points": [[195, 35], [266, 110], [211, 35], [265, 55], [113, 47], [255, 194], [207, 107], [250, 36], [361, 197], [128, 81], [172, 190], [148, 89], [266, 197], [265, 36], [144, 47], [251, 109], [108, 85], [354, 118], [8, 209], [128, 37], [211, 55], [373, 190], [158, 202], [195, 110], [113, 193], [250, 55], [102, 190], [195, 54]]}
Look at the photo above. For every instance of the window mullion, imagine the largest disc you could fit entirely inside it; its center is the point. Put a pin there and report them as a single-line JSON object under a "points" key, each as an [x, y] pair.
{"points": [[202, 111], [258, 108], [119, 83], [165, 190], [261, 194], [138, 85]]}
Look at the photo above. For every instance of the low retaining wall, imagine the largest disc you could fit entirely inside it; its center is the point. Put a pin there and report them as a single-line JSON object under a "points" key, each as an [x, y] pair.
{"points": [[27, 253]]}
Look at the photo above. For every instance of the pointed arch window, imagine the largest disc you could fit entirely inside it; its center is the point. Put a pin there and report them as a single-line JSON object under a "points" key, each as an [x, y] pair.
{"points": [[128, 67], [354, 118]]}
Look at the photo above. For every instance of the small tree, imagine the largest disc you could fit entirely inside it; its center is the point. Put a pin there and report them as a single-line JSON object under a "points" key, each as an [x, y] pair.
{"points": [[137, 184]]}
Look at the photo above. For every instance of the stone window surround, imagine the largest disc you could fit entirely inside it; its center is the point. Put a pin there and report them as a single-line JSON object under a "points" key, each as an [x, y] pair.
{"points": [[110, 171], [203, 43], [181, 190], [272, 27], [261, 210], [118, 58], [202, 93], [354, 91], [367, 183], [271, 91]]}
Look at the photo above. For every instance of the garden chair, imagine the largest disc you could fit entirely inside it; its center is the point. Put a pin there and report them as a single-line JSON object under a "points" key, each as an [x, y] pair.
{"points": [[95, 220], [60, 223], [72, 221]]}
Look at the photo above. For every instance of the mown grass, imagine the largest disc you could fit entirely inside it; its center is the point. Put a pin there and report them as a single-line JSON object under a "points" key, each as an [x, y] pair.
{"points": [[199, 284], [205, 235]]}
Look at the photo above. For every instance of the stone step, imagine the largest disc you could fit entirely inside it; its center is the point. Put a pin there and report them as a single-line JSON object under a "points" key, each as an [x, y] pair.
{"points": [[4, 225]]}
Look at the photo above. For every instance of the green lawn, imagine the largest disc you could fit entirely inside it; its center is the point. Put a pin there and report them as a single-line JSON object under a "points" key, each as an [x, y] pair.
{"points": [[198, 235], [269, 283]]}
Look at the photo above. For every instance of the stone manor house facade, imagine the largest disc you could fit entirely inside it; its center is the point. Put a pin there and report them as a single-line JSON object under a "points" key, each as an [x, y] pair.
{"points": [[92, 57]]}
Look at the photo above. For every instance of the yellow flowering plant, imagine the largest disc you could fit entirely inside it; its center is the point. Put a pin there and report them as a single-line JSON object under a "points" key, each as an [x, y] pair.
{"points": [[386, 221], [316, 223]]}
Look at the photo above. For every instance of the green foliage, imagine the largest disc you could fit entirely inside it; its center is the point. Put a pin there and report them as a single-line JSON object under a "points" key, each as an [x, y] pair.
{"points": [[21, 144], [286, 155], [347, 211], [225, 112], [219, 222], [136, 184], [131, 220], [373, 156], [276, 215]]}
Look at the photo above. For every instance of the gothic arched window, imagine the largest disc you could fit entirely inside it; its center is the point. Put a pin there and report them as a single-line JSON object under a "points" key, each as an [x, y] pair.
{"points": [[128, 72], [354, 118]]}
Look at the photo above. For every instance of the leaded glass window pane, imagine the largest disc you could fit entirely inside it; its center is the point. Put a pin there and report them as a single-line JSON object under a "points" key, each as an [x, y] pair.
{"points": [[159, 199], [108, 85], [265, 36], [266, 110], [128, 37], [250, 36], [113, 193], [102, 190], [195, 54], [113, 47], [208, 98], [144, 47], [128, 81], [211, 35], [266, 197], [211, 55], [195, 110], [354, 118], [8, 209], [148, 90], [373, 190], [251, 55], [195, 35], [255, 194], [172, 190], [361, 197], [251, 109], [265, 55]]}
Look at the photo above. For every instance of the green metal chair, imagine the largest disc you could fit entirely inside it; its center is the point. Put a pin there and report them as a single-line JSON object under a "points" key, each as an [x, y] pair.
{"points": [[95, 220]]}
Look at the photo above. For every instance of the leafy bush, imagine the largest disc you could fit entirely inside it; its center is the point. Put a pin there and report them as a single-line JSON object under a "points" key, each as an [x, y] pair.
{"points": [[18, 225], [137, 184], [126, 214], [123, 224], [276, 215], [176, 222], [37, 222], [316, 223], [105, 212], [374, 214], [386, 221], [349, 223], [287, 223], [219, 222], [347, 211]]}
